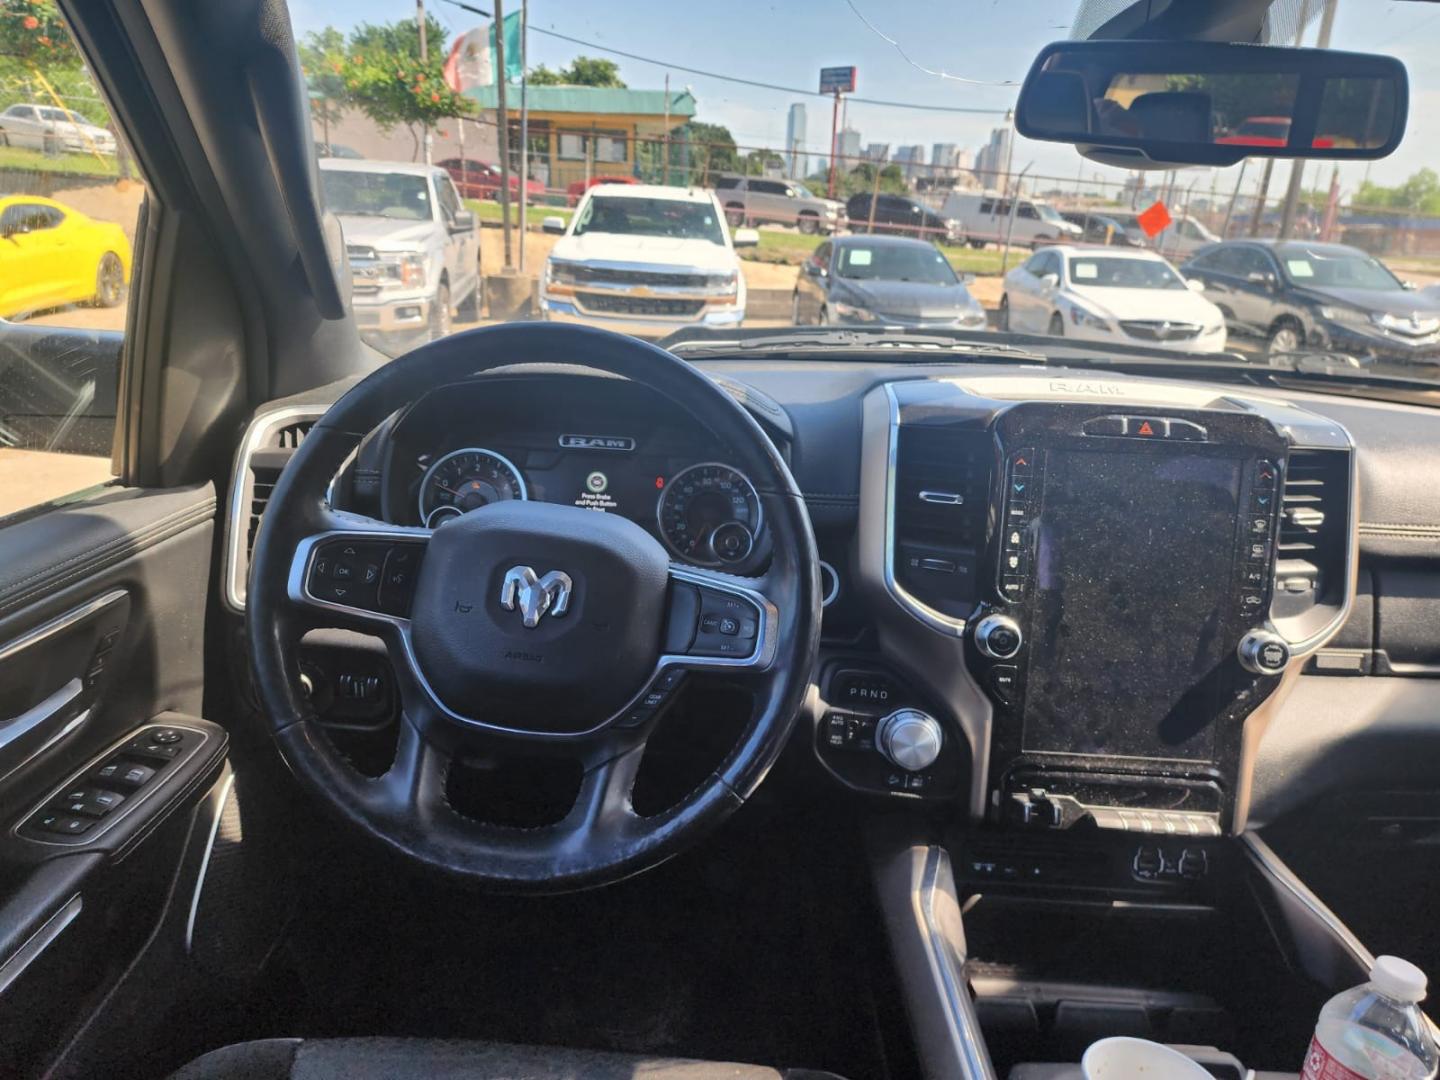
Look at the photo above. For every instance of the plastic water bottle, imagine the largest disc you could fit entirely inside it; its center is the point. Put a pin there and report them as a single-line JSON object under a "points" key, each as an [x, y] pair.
{"points": [[1375, 1031]]}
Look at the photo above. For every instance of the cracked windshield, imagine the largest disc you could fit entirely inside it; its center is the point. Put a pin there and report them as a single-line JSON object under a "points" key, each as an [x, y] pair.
{"points": [[644, 168]]}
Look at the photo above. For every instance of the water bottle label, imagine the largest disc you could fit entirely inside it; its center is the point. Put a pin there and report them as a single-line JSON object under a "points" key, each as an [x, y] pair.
{"points": [[1319, 1065], [1385, 1060]]}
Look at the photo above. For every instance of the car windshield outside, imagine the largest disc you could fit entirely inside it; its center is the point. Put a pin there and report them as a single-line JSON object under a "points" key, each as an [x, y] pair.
{"points": [[1337, 270], [674, 218], [382, 195], [61, 116], [1112, 273], [770, 174], [895, 262]]}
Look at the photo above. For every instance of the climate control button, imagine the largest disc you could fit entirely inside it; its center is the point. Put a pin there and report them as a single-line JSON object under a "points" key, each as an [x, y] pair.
{"points": [[1263, 653]]}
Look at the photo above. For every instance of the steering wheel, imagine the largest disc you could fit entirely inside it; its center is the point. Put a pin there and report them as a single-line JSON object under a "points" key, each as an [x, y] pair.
{"points": [[528, 628]]}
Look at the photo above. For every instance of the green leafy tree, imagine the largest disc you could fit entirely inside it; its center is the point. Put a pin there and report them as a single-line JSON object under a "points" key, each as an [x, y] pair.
{"points": [[1419, 193], [583, 71], [712, 149], [379, 72], [38, 56]]}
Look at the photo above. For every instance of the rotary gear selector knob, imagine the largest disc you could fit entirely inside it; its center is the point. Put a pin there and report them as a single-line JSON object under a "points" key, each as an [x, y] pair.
{"points": [[909, 738], [998, 637]]}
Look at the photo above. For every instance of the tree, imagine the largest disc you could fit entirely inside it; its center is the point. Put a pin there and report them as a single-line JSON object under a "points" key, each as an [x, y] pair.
{"points": [[1420, 192], [380, 73], [38, 56], [583, 71], [712, 149], [32, 32]]}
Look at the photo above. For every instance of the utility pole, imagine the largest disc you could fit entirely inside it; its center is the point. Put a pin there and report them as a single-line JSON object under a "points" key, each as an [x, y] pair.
{"points": [[524, 127], [1259, 211], [1297, 167], [1230, 210], [503, 134], [666, 143], [834, 136], [424, 60]]}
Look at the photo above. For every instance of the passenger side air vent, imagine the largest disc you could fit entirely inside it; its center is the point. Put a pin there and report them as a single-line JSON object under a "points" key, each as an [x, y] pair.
{"points": [[267, 447], [1314, 531], [942, 491]]}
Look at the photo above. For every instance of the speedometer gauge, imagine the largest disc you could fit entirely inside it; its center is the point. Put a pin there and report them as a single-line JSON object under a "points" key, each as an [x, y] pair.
{"points": [[710, 514], [465, 480]]}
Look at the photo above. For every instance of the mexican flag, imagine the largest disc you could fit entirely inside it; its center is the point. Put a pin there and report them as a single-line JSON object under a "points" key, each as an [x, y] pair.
{"points": [[472, 58]]}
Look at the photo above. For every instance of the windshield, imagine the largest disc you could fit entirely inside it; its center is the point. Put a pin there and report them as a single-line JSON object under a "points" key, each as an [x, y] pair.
{"points": [[383, 195], [1101, 273], [1328, 270], [61, 116], [674, 218], [773, 180], [895, 262]]}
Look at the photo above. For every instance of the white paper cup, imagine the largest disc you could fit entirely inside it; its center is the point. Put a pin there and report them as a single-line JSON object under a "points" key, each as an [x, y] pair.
{"points": [[1124, 1058]]}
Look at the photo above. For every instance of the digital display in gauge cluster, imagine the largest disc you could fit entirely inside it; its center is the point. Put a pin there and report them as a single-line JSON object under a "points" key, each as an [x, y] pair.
{"points": [[705, 512]]}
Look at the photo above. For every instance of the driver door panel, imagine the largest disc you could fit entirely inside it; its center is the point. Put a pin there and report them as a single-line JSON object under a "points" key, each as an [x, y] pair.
{"points": [[102, 617]]}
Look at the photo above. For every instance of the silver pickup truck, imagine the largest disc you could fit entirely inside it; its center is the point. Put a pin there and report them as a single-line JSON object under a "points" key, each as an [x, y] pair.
{"points": [[755, 200], [414, 249]]}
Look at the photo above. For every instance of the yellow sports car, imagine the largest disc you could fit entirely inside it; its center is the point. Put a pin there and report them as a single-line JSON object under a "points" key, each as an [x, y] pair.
{"points": [[51, 255]]}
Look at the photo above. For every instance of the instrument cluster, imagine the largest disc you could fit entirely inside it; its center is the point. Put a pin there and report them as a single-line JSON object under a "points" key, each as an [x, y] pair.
{"points": [[615, 453]]}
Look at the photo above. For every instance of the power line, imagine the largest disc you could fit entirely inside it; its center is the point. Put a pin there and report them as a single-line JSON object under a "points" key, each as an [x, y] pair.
{"points": [[736, 79]]}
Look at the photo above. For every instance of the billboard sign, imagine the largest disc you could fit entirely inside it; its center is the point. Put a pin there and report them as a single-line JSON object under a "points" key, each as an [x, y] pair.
{"points": [[837, 80]]}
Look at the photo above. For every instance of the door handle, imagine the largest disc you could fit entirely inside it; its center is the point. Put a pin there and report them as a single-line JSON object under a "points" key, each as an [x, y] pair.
{"points": [[33, 719]]}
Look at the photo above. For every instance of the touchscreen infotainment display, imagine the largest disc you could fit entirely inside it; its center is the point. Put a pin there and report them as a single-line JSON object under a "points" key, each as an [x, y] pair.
{"points": [[1134, 582]]}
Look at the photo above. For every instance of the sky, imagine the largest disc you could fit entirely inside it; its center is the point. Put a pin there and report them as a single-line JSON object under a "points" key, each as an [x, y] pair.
{"points": [[993, 42]]}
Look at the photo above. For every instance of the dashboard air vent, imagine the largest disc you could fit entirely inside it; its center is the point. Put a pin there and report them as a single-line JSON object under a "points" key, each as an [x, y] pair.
{"points": [[1313, 530], [268, 446], [942, 491]]}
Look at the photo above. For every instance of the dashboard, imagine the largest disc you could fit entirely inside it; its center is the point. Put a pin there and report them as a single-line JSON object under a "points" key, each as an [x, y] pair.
{"points": [[580, 440], [1059, 598]]}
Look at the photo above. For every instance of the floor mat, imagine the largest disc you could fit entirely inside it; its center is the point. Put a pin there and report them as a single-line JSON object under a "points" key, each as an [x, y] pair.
{"points": [[759, 946]]}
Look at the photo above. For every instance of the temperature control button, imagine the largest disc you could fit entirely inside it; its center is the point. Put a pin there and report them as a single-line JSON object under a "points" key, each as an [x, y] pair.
{"points": [[1263, 653]]}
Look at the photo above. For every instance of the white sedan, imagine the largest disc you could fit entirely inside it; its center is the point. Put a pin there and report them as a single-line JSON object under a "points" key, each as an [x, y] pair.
{"points": [[1110, 295], [53, 130]]}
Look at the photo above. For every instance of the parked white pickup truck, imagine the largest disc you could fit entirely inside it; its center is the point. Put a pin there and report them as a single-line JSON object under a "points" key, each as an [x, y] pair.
{"points": [[414, 249], [645, 260]]}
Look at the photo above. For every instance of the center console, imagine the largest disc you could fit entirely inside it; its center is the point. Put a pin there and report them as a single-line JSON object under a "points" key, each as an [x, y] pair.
{"points": [[1101, 585], [1126, 635]]}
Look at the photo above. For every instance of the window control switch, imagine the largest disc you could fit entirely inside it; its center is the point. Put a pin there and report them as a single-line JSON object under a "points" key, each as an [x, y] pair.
{"points": [[122, 773]]}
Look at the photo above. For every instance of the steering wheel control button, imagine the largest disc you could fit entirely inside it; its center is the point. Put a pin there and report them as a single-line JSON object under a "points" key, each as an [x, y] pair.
{"points": [[998, 637], [397, 578], [909, 738], [1263, 653], [683, 619], [728, 625]]}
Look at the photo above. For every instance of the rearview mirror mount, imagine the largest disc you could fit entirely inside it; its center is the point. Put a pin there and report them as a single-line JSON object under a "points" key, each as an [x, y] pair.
{"points": [[1158, 104]]}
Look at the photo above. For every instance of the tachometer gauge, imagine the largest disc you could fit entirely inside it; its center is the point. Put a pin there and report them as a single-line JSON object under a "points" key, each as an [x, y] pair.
{"points": [[709, 514], [465, 480]]}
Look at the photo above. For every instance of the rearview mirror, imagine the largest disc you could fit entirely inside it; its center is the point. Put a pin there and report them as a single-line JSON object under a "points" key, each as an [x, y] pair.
{"points": [[1153, 104], [554, 225], [746, 238]]}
